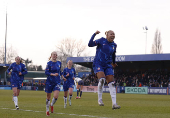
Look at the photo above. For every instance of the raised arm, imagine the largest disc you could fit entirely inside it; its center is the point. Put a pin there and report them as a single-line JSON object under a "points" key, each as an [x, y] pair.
{"points": [[91, 42]]}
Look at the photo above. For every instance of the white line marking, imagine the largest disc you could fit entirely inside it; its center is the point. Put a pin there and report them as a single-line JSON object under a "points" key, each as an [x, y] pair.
{"points": [[60, 113], [5, 108], [38, 111], [57, 113], [72, 114], [84, 115], [27, 110]]}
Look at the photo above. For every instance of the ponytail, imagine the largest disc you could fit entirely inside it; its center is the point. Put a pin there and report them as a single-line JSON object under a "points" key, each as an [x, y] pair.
{"points": [[106, 33], [49, 58], [21, 61]]}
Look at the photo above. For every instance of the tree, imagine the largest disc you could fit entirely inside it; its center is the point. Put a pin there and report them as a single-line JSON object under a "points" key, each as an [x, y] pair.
{"points": [[30, 67], [27, 61], [69, 48], [157, 46], [39, 68], [10, 55]]}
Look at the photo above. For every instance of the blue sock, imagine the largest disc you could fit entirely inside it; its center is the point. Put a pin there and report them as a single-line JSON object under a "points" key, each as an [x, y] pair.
{"points": [[80, 93], [77, 92]]}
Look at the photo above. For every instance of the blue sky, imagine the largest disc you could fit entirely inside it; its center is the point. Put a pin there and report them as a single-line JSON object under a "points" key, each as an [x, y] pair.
{"points": [[35, 26]]}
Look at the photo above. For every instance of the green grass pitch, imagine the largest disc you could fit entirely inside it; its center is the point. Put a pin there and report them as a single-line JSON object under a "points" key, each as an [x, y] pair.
{"points": [[32, 105]]}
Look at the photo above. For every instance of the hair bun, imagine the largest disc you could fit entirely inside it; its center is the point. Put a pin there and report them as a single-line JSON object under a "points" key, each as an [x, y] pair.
{"points": [[106, 33]]}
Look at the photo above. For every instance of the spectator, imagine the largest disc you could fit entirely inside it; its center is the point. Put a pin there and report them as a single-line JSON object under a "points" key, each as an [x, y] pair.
{"points": [[140, 85]]}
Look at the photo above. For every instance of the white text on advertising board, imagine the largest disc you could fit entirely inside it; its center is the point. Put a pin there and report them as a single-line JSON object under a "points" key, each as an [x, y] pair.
{"points": [[120, 58], [88, 59], [136, 90], [157, 90], [91, 59]]}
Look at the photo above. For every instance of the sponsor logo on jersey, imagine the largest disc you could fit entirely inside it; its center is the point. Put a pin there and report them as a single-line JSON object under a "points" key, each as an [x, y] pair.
{"points": [[98, 68], [104, 44]]}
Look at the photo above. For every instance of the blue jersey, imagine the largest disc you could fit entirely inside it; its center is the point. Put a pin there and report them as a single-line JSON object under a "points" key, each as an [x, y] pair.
{"points": [[72, 74], [16, 69], [105, 51], [53, 67]]}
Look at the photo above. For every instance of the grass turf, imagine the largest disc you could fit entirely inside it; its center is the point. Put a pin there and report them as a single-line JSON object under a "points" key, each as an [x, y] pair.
{"points": [[132, 106]]}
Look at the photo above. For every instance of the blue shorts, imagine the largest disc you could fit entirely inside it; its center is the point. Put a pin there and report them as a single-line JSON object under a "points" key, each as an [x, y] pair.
{"points": [[108, 70], [18, 85], [52, 87], [67, 85], [81, 82]]}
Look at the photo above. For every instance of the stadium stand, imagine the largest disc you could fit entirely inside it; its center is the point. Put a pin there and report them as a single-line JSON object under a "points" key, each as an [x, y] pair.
{"points": [[3, 68], [134, 70]]}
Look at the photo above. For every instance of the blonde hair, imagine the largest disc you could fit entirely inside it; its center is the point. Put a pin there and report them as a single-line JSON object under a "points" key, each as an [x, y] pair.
{"points": [[68, 61], [21, 61], [51, 55]]}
